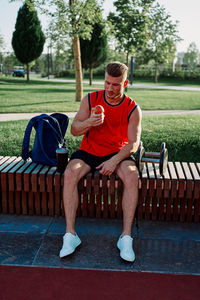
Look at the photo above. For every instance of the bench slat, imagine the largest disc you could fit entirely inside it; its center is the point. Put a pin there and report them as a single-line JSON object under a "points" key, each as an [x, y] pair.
{"points": [[189, 180], [196, 179], [42, 179], [98, 192], [181, 179], [55, 204], [50, 179], [24, 202], [181, 191], [198, 167], [12, 176], [17, 199], [92, 192], [35, 178], [105, 196], [112, 196], [27, 177], [186, 203], [119, 198], [173, 192], [58, 181], [196, 191]]}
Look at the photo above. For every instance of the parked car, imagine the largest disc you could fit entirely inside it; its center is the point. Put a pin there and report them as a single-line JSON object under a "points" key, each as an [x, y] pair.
{"points": [[18, 73]]}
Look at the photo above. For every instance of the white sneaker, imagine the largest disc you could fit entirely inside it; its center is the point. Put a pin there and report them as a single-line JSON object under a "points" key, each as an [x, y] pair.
{"points": [[70, 243], [125, 245]]}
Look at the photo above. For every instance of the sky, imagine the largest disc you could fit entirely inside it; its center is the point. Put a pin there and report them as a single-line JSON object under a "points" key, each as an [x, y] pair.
{"points": [[184, 11]]}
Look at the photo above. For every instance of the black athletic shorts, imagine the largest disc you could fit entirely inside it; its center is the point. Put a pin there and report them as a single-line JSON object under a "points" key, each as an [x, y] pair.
{"points": [[92, 160]]}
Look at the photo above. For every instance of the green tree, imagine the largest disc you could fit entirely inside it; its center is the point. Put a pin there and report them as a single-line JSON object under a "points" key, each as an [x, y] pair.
{"points": [[28, 39], [1, 42], [161, 46], [39, 66], [74, 19], [9, 61], [81, 14], [129, 24], [191, 57], [1, 54], [94, 51]]}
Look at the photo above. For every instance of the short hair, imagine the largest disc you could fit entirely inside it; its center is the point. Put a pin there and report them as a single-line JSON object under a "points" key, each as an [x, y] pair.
{"points": [[116, 69]]}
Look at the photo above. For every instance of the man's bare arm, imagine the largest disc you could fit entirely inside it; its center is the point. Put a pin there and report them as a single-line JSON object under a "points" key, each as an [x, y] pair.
{"points": [[84, 120], [134, 134]]}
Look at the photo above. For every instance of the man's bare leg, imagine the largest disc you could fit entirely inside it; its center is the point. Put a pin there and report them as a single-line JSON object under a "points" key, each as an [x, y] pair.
{"points": [[75, 170], [127, 171]]}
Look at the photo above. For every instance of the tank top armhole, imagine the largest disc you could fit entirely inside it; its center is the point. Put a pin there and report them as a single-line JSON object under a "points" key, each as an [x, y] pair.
{"points": [[92, 97], [89, 101], [132, 110]]}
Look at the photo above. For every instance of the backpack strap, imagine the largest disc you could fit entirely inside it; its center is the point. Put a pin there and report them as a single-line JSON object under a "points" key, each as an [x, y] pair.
{"points": [[62, 121], [26, 140], [58, 134]]}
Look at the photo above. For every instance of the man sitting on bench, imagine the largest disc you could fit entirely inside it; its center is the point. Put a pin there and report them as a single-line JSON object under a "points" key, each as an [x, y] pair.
{"points": [[110, 138]]}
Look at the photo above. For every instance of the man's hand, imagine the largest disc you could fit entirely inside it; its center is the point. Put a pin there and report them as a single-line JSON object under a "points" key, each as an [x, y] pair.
{"points": [[96, 119], [107, 167], [85, 119]]}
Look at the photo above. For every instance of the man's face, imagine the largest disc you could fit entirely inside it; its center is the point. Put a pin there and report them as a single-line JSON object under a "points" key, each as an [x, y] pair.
{"points": [[114, 87]]}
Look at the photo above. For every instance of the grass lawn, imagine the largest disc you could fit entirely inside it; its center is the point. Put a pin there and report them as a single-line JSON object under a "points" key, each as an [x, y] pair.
{"points": [[17, 96], [181, 135]]}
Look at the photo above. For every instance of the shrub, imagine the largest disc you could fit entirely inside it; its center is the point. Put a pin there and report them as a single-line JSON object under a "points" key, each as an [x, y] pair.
{"points": [[65, 73], [167, 73]]}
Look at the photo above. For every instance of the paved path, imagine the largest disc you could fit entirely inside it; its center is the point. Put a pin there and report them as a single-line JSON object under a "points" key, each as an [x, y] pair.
{"points": [[138, 85], [162, 247], [28, 116]]}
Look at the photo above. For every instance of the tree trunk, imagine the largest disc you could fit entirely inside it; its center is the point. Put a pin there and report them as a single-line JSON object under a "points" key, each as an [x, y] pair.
{"points": [[27, 72], [91, 75], [78, 68], [156, 73], [127, 63], [127, 55]]}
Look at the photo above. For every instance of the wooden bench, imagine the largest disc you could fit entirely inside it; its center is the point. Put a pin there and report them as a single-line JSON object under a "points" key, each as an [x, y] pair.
{"points": [[32, 189]]}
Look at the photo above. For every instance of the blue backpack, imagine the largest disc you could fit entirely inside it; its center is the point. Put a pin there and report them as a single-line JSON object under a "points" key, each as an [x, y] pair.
{"points": [[50, 133]]}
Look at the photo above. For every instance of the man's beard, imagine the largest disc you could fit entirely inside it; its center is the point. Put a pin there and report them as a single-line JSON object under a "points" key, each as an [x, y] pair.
{"points": [[119, 95]]}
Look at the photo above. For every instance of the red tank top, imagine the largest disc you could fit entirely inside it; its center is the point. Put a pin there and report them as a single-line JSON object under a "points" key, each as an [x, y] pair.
{"points": [[111, 136]]}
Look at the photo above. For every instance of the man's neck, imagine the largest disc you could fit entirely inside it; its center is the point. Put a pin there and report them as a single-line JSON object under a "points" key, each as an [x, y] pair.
{"points": [[114, 101]]}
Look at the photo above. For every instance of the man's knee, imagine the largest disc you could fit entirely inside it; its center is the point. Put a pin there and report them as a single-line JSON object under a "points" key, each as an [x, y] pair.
{"points": [[74, 171], [128, 173], [70, 176], [130, 177]]}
